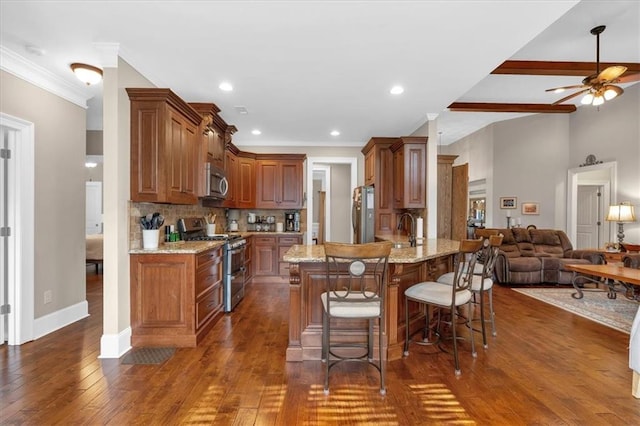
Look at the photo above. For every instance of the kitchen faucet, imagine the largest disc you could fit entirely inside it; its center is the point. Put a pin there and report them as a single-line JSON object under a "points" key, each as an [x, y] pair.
{"points": [[412, 235]]}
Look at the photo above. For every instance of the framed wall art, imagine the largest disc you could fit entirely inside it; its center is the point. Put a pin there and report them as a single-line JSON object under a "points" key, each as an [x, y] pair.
{"points": [[508, 202], [530, 208]]}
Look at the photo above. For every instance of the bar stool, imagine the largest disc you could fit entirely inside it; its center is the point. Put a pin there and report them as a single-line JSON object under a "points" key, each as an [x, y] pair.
{"points": [[445, 296], [482, 283], [356, 280]]}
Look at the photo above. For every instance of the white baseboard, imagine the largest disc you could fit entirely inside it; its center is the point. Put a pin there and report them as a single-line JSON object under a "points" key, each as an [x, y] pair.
{"points": [[115, 345], [58, 319]]}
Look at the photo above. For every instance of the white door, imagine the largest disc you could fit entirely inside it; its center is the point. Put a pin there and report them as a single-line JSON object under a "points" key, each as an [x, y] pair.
{"points": [[94, 208], [589, 217], [4, 241]]}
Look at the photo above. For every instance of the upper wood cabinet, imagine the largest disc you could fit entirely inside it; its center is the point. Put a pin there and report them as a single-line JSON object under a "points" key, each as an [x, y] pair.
{"points": [[165, 143], [279, 181], [410, 172], [380, 174], [231, 170], [246, 189]]}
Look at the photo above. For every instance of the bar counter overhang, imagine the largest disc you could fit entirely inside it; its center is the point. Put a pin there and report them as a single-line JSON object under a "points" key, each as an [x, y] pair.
{"points": [[407, 266]]}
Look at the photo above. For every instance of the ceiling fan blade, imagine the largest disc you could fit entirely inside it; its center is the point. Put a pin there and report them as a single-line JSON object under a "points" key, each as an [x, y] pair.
{"points": [[629, 78], [577, 86], [611, 73], [573, 95]]}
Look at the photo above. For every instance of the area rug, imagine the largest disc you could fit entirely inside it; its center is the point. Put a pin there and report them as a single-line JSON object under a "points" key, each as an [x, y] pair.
{"points": [[617, 313], [148, 355]]}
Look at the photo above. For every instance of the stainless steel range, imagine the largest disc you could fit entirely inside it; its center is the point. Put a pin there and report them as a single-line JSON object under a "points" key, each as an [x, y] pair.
{"points": [[194, 229]]}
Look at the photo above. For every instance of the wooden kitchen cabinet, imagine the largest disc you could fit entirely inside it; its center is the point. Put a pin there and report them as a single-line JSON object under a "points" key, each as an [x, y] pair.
{"points": [[164, 147], [246, 188], [175, 298], [279, 181], [284, 244], [410, 172], [381, 177], [265, 259], [231, 171]]}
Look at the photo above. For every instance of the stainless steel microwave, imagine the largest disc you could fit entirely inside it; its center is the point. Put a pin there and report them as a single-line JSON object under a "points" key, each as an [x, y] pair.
{"points": [[216, 182]]}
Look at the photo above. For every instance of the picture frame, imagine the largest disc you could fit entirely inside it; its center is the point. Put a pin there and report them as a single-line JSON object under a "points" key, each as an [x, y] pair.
{"points": [[530, 208], [508, 202]]}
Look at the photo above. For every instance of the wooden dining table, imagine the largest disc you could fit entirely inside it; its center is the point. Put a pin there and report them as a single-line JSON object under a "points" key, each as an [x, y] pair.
{"points": [[611, 275]]}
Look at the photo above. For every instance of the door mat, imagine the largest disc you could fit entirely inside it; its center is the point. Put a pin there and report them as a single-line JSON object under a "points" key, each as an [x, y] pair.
{"points": [[148, 355], [616, 313]]}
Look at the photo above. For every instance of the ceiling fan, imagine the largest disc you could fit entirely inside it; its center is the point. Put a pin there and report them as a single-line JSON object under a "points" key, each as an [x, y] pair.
{"points": [[599, 86]]}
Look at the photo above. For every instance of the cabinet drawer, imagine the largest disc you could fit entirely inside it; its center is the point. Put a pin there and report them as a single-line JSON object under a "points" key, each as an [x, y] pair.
{"points": [[206, 277], [289, 241], [210, 303], [263, 241], [207, 257]]}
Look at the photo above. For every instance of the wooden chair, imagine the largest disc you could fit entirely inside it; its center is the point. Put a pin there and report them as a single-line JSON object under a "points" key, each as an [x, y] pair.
{"points": [[356, 279], [446, 296]]}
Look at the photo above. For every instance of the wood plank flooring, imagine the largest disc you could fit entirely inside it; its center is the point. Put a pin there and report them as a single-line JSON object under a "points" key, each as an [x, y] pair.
{"points": [[546, 366]]}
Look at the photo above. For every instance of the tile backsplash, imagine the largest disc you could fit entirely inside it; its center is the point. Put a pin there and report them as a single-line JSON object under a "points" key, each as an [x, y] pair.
{"points": [[173, 212]]}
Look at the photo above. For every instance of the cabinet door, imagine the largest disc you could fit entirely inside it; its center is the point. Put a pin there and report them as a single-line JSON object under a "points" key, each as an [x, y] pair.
{"points": [[246, 189], [369, 168], [291, 184], [268, 184], [410, 176], [216, 148], [232, 176], [265, 260], [147, 153], [181, 147]]}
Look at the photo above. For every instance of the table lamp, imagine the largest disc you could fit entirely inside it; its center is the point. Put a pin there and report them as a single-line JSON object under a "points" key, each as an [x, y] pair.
{"points": [[621, 213]]}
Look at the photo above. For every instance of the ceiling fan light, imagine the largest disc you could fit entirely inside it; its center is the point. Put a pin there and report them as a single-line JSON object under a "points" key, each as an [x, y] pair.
{"points": [[88, 74], [612, 92], [587, 99], [598, 100], [559, 90]]}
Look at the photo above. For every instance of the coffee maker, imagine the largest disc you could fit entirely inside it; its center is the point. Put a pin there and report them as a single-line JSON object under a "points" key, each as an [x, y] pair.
{"points": [[292, 221]]}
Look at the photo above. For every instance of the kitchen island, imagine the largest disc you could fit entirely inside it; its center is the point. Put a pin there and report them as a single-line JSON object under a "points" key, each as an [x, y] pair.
{"points": [[407, 266]]}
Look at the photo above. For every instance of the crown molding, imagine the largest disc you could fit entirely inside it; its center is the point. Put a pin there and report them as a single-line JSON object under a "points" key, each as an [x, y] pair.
{"points": [[21, 67]]}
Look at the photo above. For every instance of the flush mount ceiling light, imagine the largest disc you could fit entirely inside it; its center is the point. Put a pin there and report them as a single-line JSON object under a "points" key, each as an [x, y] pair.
{"points": [[225, 86], [87, 74], [396, 90]]}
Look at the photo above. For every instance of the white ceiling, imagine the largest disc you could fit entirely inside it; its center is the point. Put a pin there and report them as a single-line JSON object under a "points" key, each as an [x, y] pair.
{"points": [[304, 68]]}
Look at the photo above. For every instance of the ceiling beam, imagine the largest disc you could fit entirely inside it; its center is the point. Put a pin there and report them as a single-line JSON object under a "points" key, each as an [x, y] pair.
{"points": [[524, 108], [578, 69]]}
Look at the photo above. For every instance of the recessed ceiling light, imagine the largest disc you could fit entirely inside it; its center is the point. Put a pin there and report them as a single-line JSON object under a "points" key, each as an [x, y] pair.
{"points": [[225, 86], [335, 133], [396, 90], [256, 132], [241, 109]]}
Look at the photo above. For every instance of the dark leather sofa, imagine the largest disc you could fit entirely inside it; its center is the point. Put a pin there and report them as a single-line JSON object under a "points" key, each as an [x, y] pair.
{"points": [[536, 256]]}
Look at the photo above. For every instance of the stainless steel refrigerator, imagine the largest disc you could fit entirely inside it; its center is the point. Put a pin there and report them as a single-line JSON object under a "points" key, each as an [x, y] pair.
{"points": [[362, 213]]}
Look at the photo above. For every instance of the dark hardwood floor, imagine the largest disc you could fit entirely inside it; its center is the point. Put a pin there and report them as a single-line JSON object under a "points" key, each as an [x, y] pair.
{"points": [[546, 366]]}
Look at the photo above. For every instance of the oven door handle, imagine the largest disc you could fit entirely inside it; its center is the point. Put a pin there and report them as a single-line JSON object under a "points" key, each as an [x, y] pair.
{"points": [[237, 250], [238, 273]]}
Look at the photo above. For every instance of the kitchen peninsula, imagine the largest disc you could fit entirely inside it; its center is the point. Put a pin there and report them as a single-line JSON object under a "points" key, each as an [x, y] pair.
{"points": [[407, 266]]}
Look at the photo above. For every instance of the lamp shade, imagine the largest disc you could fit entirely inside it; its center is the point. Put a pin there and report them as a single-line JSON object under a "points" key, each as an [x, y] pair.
{"points": [[621, 213], [88, 74]]}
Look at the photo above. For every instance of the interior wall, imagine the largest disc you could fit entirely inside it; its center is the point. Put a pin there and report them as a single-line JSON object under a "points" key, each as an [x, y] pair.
{"points": [[60, 134], [612, 133], [340, 210]]}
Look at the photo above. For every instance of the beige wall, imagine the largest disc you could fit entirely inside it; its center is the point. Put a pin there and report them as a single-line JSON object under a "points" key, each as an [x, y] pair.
{"points": [[529, 157], [60, 133]]}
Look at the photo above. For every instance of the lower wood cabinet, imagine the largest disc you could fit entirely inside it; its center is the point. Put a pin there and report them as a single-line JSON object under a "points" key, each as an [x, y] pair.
{"points": [[175, 298], [268, 252]]}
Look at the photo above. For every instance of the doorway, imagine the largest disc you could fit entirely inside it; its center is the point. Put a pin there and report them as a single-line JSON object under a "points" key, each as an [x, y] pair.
{"points": [[18, 143], [93, 217], [333, 203], [590, 213], [601, 175]]}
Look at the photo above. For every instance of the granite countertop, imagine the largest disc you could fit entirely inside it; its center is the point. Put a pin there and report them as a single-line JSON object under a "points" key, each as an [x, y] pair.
{"points": [[430, 249], [194, 247]]}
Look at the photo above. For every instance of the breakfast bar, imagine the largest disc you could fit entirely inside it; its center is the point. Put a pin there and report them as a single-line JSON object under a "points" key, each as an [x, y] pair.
{"points": [[407, 266]]}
